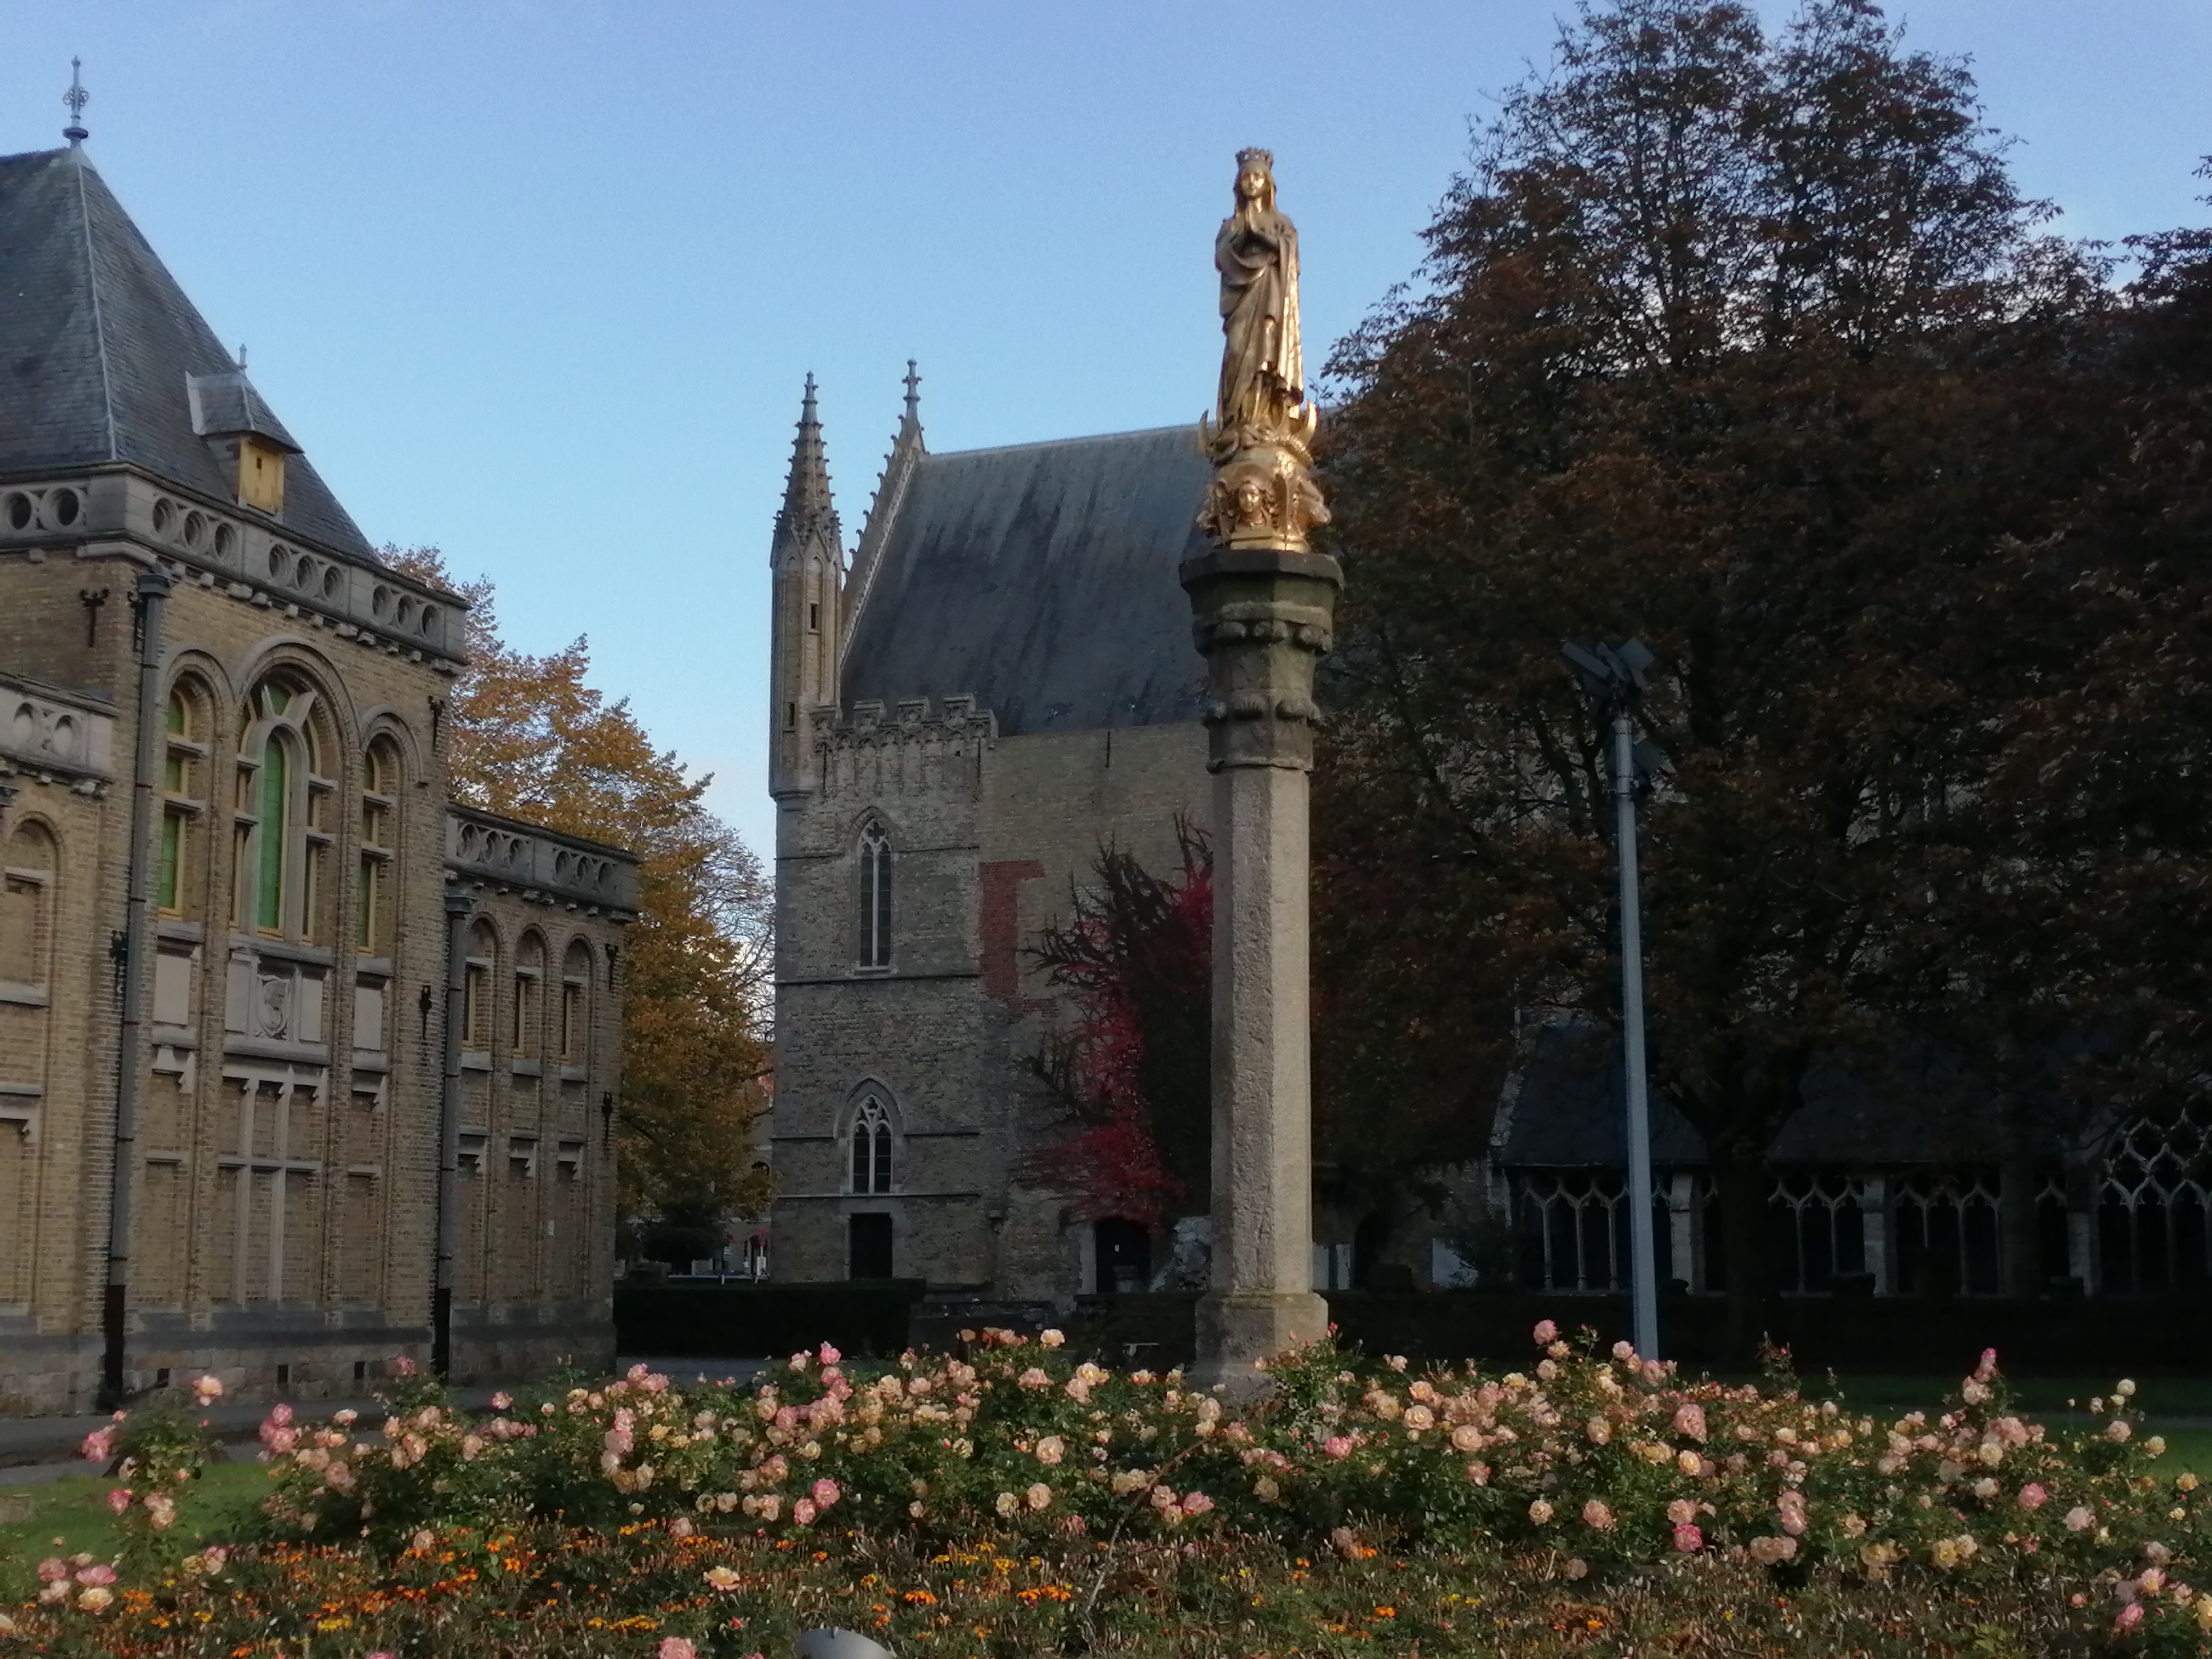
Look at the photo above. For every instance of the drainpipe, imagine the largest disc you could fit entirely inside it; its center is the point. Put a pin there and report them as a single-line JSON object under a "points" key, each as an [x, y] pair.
{"points": [[460, 905], [137, 928]]}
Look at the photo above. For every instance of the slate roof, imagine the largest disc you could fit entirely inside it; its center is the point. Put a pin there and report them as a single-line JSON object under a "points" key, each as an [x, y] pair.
{"points": [[1040, 578], [1566, 1112], [98, 347]]}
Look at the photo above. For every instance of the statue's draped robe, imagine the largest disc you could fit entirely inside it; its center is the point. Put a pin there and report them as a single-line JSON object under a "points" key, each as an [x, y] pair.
{"points": [[1262, 375]]}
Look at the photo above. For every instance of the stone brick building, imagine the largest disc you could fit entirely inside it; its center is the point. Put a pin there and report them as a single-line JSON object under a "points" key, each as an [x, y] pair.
{"points": [[250, 1057], [998, 680]]}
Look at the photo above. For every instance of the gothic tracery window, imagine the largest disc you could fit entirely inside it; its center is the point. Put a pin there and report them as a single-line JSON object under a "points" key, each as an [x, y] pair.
{"points": [[875, 898], [872, 1148], [282, 832]]}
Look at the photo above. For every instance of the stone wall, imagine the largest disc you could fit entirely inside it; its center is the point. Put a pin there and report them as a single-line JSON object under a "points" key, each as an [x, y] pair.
{"points": [[988, 834]]}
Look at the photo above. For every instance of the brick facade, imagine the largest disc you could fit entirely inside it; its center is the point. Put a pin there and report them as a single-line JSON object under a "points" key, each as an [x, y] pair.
{"points": [[300, 845]]}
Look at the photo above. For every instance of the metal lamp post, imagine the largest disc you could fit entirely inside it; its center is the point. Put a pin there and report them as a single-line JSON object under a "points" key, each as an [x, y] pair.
{"points": [[1614, 677]]}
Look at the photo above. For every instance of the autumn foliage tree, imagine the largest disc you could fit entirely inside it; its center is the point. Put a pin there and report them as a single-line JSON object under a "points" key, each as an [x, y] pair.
{"points": [[528, 736], [1134, 1069], [1747, 346]]}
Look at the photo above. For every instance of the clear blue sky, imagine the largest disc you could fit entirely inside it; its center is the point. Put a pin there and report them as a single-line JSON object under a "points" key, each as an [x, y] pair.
{"points": [[537, 281]]}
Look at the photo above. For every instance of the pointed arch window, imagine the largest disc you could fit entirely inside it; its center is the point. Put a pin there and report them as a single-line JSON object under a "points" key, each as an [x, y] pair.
{"points": [[875, 898], [282, 834], [380, 813], [872, 1148], [184, 738]]}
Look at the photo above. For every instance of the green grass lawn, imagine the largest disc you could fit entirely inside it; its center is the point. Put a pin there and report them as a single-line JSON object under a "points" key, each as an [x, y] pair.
{"points": [[72, 1513], [2181, 1396], [2047, 1397]]}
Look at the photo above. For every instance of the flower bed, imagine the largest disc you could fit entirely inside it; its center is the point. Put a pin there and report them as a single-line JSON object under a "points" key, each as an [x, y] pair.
{"points": [[636, 1499]]}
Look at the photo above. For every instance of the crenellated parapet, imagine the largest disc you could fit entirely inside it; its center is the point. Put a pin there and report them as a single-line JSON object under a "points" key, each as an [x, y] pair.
{"points": [[902, 748]]}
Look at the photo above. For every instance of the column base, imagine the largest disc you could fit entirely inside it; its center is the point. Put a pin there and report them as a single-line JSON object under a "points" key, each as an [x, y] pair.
{"points": [[1238, 1329]]}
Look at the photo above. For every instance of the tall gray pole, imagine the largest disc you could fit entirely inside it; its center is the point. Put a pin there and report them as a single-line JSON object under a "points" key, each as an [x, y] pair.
{"points": [[460, 906], [137, 977], [1643, 1262]]}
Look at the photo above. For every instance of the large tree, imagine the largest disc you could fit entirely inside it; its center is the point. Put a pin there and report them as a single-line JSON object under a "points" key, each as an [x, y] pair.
{"points": [[529, 736], [1743, 345]]}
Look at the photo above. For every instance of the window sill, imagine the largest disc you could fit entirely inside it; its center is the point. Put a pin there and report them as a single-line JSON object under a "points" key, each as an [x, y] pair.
{"points": [[281, 950], [525, 1068]]}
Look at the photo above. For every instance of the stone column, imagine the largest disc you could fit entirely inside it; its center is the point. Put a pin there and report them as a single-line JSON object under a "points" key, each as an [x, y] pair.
{"points": [[1262, 618]]}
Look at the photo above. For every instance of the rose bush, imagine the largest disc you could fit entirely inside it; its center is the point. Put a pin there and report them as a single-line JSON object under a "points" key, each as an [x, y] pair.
{"points": [[1600, 1460]]}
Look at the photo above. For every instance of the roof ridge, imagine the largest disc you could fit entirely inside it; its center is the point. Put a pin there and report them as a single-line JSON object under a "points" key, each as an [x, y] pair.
{"points": [[1061, 443], [92, 282]]}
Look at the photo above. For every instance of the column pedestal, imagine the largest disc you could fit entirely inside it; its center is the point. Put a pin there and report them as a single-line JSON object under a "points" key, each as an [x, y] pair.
{"points": [[1262, 617]]}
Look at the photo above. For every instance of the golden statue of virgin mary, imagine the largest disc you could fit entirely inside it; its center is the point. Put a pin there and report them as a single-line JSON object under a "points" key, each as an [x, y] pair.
{"points": [[1263, 494]]}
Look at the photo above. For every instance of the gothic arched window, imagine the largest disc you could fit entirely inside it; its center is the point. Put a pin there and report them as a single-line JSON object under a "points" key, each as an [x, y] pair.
{"points": [[872, 1148], [379, 840], [875, 898], [283, 833], [184, 727]]}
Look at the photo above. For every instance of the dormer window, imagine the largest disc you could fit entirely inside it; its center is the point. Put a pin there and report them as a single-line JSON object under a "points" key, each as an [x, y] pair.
{"points": [[246, 437], [260, 475]]}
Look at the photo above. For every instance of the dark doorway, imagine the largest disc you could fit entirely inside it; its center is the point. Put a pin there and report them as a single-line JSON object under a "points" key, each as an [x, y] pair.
{"points": [[1125, 1254], [870, 1252]]}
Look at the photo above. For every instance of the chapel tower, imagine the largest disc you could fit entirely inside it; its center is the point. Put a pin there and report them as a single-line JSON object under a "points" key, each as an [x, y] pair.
{"points": [[808, 562]]}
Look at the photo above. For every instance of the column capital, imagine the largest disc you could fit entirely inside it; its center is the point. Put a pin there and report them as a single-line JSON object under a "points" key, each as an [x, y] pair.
{"points": [[1261, 617]]}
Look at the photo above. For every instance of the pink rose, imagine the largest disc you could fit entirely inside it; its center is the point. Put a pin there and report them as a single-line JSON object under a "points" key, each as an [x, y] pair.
{"points": [[1546, 1333], [1595, 1514], [501, 1402], [99, 1446], [53, 1571], [830, 1355], [825, 1493], [675, 1647], [1690, 1420], [1337, 1446], [802, 1511], [119, 1499], [1196, 1503], [681, 1527], [99, 1573], [2078, 1519], [2032, 1496], [1688, 1539], [2128, 1616]]}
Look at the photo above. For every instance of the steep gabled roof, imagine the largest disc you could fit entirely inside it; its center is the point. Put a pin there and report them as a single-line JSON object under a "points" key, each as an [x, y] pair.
{"points": [[99, 349], [1041, 577]]}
